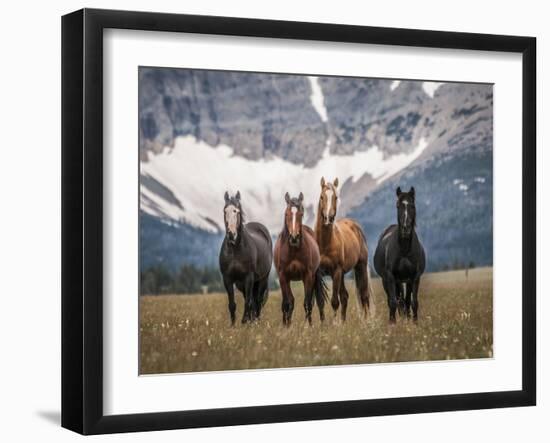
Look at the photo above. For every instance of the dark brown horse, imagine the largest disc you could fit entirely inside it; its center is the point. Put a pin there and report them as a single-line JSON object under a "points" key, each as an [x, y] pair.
{"points": [[297, 259], [343, 248]]}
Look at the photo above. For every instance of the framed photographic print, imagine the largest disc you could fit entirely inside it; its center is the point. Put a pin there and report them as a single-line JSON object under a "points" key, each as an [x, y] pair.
{"points": [[270, 221]]}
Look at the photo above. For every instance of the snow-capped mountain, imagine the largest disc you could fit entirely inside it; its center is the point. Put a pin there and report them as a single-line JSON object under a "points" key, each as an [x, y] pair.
{"points": [[205, 132], [186, 183]]}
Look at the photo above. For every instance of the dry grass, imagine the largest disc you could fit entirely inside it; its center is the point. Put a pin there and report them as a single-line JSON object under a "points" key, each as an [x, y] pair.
{"points": [[185, 333]]}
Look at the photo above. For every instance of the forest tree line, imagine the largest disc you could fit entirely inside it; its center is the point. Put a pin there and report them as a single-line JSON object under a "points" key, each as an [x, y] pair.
{"points": [[190, 279]]}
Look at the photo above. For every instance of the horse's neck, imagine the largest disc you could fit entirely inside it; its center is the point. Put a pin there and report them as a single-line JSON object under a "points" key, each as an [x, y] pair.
{"points": [[405, 243], [241, 240], [324, 234]]}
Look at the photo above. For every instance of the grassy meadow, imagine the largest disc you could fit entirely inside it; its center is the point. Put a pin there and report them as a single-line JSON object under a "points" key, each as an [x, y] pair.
{"points": [[187, 333]]}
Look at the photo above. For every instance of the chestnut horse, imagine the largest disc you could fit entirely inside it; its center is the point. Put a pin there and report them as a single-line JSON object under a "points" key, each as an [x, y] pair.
{"points": [[343, 247], [297, 258]]}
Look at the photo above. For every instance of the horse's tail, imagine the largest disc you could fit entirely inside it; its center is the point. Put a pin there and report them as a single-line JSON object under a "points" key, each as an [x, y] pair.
{"points": [[264, 297], [363, 286], [320, 290], [359, 279]]}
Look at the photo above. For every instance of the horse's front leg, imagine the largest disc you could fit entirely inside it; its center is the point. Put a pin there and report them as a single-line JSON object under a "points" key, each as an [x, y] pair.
{"points": [[249, 304], [344, 296], [287, 305], [336, 285], [400, 293], [408, 292], [389, 286], [231, 299], [308, 295]]}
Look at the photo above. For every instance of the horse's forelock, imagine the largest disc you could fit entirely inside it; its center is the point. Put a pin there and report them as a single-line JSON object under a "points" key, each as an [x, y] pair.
{"points": [[330, 187]]}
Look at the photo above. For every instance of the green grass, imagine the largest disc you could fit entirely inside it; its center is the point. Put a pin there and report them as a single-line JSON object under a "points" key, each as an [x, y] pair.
{"points": [[187, 333]]}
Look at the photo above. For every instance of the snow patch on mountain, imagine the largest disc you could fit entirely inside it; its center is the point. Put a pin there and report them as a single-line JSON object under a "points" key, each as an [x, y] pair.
{"points": [[394, 84], [317, 98], [198, 175], [431, 87]]}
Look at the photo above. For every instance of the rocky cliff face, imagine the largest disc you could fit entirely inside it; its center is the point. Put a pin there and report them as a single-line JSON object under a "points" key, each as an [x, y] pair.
{"points": [[264, 115], [259, 115]]}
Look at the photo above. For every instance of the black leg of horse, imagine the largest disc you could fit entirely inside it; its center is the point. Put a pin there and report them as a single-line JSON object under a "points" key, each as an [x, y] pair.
{"points": [[362, 285], [399, 291], [344, 296], [308, 296], [336, 285], [408, 289], [389, 286], [255, 313], [249, 305], [287, 305], [260, 294], [415, 285], [231, 299]]}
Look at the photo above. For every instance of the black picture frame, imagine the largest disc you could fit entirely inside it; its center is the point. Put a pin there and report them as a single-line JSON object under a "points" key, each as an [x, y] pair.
{"points": [[82, 220]]}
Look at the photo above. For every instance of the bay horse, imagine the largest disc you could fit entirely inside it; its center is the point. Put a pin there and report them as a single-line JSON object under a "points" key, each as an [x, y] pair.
{"points": [[245, 260], [297, 258], [400, 258], [343, 247]]}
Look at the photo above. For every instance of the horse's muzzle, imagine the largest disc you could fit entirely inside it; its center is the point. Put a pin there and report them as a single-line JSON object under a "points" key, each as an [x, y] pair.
{"points": [[329, 219], [232, 238], [294, 240]]}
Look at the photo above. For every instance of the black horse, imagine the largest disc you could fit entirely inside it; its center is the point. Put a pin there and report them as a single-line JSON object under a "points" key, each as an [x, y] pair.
{"points": [[400, 259], [245, 260]]}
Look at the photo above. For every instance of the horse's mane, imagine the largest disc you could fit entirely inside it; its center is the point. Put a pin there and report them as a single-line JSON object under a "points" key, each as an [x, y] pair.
{"points": [[308, 229], [390, 227]]}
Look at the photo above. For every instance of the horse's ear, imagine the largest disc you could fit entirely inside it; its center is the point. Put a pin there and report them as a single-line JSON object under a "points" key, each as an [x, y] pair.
{"points": [[411, 191], [398, 191], [335, 182], [322, 182], [301, 197], [287, 198], [238, 195], [226, 197]]}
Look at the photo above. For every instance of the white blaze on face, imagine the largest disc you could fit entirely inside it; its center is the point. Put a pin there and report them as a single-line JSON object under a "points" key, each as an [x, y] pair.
{"points": [[406, 203], [232, 218], [294, 210], [328, 193]]}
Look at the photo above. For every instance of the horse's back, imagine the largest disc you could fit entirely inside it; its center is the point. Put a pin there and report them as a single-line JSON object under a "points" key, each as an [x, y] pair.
{"points": [[259, 232], [355, 241], [351, 230], [380, 252], [262, 239]]}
